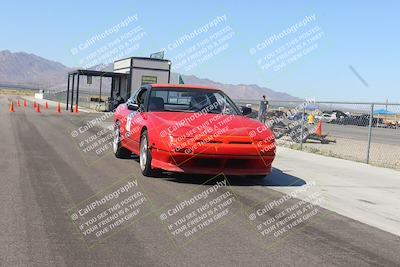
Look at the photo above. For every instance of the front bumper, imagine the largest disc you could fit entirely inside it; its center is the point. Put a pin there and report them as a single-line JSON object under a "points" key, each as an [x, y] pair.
{"points": [[213, 159]]}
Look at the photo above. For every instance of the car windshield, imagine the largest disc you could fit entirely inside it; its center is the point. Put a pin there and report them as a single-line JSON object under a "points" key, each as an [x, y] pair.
{"points": [[191, 100]]}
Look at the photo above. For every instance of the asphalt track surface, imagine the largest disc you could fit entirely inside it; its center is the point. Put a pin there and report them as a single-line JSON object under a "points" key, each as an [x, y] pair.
{"points": [[379, 135], [43, 175]]}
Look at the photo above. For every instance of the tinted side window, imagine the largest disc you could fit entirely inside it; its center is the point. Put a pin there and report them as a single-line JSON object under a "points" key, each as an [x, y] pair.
{"points": [[133, 98], [141, 96]]}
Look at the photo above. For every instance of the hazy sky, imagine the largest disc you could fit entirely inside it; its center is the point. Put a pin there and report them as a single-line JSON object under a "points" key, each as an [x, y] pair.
{"points": [[342, 50]]}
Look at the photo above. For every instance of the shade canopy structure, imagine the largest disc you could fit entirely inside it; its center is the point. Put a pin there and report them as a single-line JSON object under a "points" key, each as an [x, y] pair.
{"points": [[93, 73], [383, 112]]}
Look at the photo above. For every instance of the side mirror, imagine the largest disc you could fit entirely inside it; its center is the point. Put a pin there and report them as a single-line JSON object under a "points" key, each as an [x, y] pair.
{"points": [[246, 110], [132, 106]]}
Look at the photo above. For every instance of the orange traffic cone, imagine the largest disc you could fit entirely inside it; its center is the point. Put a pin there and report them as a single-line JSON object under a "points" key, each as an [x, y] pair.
{"points": [[76, 109], [46, 105], [318, 130], [58, 110], [38, 108], [24, 103], [11, 107], [18, 103], [34, 104]]}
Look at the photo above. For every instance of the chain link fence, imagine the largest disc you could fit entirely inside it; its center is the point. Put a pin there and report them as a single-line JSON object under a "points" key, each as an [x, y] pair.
{"points": [[364, 132]]}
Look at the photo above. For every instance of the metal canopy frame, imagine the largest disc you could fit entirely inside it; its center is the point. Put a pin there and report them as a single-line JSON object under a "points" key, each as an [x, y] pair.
{"points": [[83, 72]]}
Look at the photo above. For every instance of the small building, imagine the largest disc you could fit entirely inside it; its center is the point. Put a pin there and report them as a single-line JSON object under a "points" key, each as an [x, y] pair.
{"points": [[128, 75], [141, 70]]}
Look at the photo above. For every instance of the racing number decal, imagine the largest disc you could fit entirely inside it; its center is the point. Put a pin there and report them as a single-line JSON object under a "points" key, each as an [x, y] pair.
{"points": [[128, 123]]}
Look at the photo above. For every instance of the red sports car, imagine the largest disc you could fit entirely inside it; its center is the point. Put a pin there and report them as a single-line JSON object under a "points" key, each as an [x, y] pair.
{"points": [[191, 129]]}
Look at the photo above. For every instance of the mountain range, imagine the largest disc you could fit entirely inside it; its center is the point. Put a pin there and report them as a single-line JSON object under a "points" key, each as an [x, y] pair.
{"points": [[23, 70]]}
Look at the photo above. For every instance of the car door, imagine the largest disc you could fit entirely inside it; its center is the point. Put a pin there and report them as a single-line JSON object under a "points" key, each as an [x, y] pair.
{"points": [[134, 120]]}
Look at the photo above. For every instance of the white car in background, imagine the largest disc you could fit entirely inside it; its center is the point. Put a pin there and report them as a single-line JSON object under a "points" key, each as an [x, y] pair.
{"points": [[326, 117]]}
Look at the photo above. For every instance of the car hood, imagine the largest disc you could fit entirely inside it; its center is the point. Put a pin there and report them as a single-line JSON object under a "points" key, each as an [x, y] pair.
{"points": [[190, 124]]}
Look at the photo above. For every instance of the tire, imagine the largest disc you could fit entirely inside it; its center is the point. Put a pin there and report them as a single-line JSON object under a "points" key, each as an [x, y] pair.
{"points": [[145, 155], [119, 151]]}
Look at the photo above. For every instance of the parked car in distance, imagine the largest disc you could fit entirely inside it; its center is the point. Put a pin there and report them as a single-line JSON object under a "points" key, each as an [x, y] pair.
{"points": [[332, 117], [326, 117], [340, 114]]}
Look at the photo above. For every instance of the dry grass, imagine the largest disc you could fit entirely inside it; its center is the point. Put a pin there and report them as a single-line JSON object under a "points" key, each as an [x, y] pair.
{"points": [[10, 91]]}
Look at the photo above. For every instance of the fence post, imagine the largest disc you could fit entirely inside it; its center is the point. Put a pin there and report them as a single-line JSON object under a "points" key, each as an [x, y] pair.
{"points": [[302, 127], [369, 133]]}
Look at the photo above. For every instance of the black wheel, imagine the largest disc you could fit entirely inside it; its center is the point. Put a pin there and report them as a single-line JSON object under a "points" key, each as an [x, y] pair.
{"points": [[145, 155], [119, 151]]}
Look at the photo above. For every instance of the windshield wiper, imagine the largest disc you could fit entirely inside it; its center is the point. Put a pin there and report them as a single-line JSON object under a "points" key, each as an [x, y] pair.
{"points": [[214, 112], [179, 110]]}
